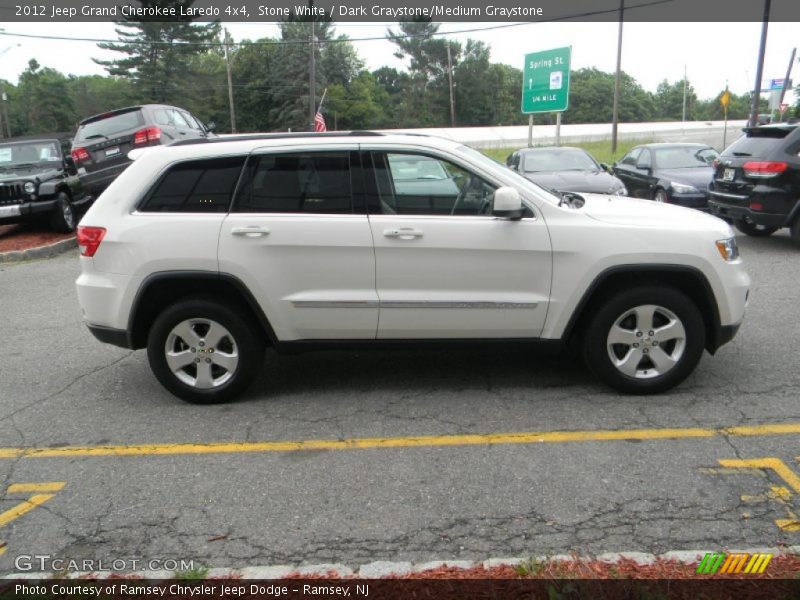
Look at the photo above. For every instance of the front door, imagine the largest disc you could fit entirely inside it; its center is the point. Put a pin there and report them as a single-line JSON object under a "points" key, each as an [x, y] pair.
{"points": [[446, 268]]}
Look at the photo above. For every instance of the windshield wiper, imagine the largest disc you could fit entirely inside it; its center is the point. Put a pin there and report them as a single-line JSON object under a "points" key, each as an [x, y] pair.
{"points": [[95, 136], [23, 165], [742, 154]]}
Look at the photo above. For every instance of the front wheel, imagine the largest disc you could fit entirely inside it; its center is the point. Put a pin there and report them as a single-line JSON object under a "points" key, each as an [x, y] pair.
{"points": [[747, 227], [204, 352], [63, 219], [645, 340]]}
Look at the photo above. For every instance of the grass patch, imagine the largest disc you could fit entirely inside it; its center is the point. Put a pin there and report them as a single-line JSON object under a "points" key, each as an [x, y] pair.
{"points": [[600, 150], [530, 568], [192, 574]]}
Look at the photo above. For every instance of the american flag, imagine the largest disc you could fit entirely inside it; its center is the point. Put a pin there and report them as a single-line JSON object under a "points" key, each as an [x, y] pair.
{"points": [[319, 122]]}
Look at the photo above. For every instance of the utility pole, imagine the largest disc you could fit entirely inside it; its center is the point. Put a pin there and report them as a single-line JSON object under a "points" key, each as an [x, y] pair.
{"points": [[760, 69], [4, 101], [788, 75], [312, 71], [450, 77], [615, 112], [684, 94], [230, 84]]}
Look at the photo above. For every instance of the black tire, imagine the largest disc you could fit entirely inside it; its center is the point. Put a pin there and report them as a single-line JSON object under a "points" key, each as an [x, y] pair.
{"points": [[242, 340], [747, 227], [598, 348], [63, 218], [794, 231], [660, 195]]}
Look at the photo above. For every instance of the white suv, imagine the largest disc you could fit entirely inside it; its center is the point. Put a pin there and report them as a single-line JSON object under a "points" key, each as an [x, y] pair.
{"points": [[205, 253]]}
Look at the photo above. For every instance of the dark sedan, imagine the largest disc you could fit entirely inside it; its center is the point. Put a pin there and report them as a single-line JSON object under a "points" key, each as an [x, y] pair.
{"points": [[674, 173], [565, 169]]}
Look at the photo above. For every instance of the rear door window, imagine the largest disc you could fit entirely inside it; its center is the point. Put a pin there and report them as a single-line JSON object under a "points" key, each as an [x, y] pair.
{"points": [[201, 186], [313, 182]]}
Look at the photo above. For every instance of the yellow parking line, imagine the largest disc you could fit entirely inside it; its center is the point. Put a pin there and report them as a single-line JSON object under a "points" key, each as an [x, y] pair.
{"points": [[51, 486], [23, 507], [776, 464], [531, 437]]}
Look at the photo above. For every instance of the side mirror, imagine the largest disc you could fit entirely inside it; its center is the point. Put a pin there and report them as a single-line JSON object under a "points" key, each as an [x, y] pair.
{"points": [[507, 203], [210, 126], [605, 167]]}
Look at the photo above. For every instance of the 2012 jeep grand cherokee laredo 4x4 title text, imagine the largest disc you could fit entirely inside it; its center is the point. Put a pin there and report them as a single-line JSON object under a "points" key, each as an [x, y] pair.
{"points": [[206, 253]]}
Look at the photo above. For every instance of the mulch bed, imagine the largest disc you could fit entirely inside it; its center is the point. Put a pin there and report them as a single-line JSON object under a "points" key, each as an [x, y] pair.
{"points": [[24, 237]]}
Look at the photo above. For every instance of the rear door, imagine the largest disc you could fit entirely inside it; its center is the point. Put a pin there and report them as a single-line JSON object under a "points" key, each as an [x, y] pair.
{"points": [[299, 238]]}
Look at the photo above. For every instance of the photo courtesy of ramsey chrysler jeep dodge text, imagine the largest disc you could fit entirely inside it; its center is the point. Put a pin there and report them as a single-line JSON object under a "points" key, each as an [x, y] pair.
{"points": [[206, 252]]}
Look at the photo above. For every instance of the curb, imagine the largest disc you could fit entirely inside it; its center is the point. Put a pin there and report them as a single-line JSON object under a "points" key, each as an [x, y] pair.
{"points": [[47, 251], [382, 568]]}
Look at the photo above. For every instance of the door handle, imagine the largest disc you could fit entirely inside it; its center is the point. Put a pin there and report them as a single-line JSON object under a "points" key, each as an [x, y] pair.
{"points": [[252, 232], [403, 233]]}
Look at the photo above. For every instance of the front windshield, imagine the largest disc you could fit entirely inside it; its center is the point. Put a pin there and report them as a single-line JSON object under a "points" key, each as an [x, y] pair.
{"points": [[685, 158], [29, 153], [536, 161], [503, 171]]}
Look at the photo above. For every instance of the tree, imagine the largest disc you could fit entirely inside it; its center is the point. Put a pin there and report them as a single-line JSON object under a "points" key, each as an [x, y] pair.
{"points": [[42, 97], [360, 105], [591, 98], [94, 94], [425, 100], [158, 55], [669, 101]]}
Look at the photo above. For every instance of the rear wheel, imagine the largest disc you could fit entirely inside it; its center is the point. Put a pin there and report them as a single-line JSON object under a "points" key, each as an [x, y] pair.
{"points": [[747, 227], [795, 231], [204, 352], [645, 340], [63, 218]]}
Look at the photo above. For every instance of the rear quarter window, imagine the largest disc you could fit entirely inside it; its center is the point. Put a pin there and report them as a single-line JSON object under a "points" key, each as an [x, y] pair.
{"points": [[201, 186]]}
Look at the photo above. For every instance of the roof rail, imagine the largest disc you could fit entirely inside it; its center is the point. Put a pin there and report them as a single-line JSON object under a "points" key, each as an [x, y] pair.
{"points": [[244, 137]]}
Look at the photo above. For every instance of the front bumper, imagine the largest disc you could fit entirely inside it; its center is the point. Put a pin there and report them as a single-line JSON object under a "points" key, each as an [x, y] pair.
{"points": [[109, 335], [698, 201], [16, 213]]}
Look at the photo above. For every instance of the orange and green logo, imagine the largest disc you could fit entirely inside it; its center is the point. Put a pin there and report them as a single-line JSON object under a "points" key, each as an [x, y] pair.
{"points": [[720, 562]]}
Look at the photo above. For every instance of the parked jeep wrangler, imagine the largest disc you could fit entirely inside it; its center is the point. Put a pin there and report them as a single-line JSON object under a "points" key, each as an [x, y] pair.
{"points": [[38, 180]]}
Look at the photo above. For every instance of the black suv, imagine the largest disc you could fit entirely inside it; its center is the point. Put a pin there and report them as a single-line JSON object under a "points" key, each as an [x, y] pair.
{"points": [[38, 179], [757, 181], [102, 142]]}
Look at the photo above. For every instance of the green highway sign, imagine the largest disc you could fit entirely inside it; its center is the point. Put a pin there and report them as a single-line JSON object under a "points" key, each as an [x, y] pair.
{"points": [[545, 81]]}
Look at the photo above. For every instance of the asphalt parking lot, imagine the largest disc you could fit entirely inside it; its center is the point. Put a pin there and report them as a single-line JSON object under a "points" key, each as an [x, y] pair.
{"points": [[398, 455]]}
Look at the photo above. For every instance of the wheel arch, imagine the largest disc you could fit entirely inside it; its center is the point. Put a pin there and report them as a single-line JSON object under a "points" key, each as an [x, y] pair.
{"points": [[159, 290], [689, 280]]}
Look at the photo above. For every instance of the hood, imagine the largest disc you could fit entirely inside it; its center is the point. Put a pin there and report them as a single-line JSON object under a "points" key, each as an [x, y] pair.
{"points": [[29, 174], [620, 210], [699, 177], [598, 182]]}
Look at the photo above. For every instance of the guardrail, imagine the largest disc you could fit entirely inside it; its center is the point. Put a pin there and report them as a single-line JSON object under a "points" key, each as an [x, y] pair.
{"points": [[704, 132]]}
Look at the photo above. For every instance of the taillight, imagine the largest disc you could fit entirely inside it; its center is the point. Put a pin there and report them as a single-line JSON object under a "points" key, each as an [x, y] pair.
{"points": [[758, 168], [146, 135], [79, 155], [89, 239]]}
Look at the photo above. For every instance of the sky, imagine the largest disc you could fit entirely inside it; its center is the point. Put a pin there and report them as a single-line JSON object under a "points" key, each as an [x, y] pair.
{"points": [[713, 54]]}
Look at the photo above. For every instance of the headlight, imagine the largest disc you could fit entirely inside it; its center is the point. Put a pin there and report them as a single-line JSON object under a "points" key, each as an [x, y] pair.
{"points": [[29, 187], [682, 188], [728, 249], [620, 192]]}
